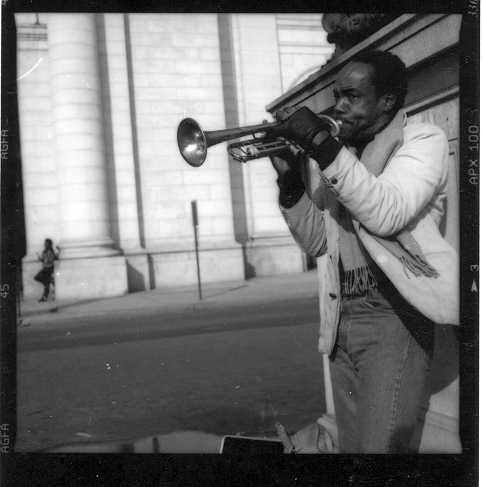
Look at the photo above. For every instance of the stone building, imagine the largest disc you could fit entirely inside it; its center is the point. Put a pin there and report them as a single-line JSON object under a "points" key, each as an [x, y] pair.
{"points": [[100, 98]]}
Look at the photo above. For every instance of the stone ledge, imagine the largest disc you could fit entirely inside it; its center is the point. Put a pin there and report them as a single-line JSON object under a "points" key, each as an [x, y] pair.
{"points": [[271, 240], [188, 245]]}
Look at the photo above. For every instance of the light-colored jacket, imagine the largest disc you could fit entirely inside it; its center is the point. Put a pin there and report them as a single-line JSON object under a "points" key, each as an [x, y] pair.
{"points": [[409, 194]]}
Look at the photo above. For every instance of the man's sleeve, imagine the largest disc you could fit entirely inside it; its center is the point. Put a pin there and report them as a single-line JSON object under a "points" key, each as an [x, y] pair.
{"points": [[307, 225], [386, 204]]}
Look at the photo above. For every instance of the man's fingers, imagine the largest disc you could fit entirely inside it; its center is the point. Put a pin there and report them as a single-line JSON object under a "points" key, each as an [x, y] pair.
{"points": [[280, 165]]}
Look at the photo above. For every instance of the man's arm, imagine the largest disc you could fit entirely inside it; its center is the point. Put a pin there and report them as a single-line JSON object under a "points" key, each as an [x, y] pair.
{"points": [[307, 225], [305, 221], [387, 204]]}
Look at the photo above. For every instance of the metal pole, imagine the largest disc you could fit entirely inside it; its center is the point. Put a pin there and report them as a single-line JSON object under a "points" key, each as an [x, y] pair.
{"points": [[194, 214]]}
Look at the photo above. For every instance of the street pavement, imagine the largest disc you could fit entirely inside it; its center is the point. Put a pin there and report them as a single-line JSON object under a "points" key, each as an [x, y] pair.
{"points": [[151, 362]]}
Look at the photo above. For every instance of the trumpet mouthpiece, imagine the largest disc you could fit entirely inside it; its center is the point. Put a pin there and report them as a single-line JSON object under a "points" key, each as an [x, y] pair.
{"points": [[334, 124]]}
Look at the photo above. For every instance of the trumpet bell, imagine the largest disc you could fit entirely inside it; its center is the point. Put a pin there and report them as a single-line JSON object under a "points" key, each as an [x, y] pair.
{"points": [[192, 142]]}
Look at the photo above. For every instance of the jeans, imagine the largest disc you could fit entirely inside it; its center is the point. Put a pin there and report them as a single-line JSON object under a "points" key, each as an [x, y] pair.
{"points": [[379, 370]]}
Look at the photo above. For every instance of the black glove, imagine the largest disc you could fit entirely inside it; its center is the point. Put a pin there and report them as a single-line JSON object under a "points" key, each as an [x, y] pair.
{"points": [[301, 126], [290, 183]]}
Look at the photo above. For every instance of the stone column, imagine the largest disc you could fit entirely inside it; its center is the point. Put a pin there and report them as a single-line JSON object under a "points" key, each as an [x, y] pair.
{"points": [[89, 266], [121, 146], [269, 247]]}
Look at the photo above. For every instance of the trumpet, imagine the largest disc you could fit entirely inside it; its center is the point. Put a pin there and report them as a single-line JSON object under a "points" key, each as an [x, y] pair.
{"points": [[193, 141]]}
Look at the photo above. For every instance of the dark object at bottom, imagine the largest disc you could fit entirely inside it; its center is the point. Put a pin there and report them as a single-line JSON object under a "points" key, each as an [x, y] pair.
{"points": [[240, 445]]}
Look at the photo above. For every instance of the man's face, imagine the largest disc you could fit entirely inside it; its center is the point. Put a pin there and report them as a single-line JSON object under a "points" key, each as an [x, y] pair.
{"points": [[357, 105]]}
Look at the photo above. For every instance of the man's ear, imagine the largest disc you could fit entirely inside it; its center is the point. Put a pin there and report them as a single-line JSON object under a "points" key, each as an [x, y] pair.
{"points": [[388, 102]]}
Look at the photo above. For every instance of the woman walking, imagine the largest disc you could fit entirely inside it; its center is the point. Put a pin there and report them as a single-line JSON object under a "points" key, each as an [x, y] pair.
{"points": [[45, 276]]}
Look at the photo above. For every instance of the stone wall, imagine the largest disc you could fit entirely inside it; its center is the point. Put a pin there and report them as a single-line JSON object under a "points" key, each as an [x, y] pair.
{"points": [[303, 47]]}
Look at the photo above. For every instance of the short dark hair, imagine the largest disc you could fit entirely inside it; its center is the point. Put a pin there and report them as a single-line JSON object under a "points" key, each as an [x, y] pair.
{"points": [[389, 74]]}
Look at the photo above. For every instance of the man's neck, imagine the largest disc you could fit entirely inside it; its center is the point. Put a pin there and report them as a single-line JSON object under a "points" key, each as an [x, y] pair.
{"points": [[360, 143]]}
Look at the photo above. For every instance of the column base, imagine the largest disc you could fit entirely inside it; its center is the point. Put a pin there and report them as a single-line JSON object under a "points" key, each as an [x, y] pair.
{"points": [[83, 278], [268, 256], [177, 267], [138, 272], [91, 277]]}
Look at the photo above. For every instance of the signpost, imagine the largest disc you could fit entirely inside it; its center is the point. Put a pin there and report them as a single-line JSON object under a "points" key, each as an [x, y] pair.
{"points": [[194, 215]]}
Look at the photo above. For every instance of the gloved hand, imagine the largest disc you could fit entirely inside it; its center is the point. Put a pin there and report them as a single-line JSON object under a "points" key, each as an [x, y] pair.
{"points": [[312, 133], [285, 162], [288, 167], [300, 126]]}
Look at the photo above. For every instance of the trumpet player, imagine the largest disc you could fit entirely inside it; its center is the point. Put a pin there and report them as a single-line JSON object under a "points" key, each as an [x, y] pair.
{"points": [[386, 275]]}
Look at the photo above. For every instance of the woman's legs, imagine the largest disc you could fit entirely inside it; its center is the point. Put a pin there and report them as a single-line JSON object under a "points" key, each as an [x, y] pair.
{"points": [[45, 278]]}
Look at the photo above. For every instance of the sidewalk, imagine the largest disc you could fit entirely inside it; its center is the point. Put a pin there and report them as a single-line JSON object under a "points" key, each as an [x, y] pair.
{"points": [[215, 295], [161, 361]]}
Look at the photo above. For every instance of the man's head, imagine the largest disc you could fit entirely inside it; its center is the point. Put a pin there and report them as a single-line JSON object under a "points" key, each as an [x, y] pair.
{"points": [[48, 243], [368, 92]]}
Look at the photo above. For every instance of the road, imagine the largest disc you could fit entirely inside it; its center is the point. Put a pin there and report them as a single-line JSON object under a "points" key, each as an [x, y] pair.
{"points": [[235, 369]]}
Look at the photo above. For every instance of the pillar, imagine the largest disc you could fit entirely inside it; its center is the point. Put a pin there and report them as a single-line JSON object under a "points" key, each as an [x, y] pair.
{"points": [[122, 155], [269, 248], [90, 265]]}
